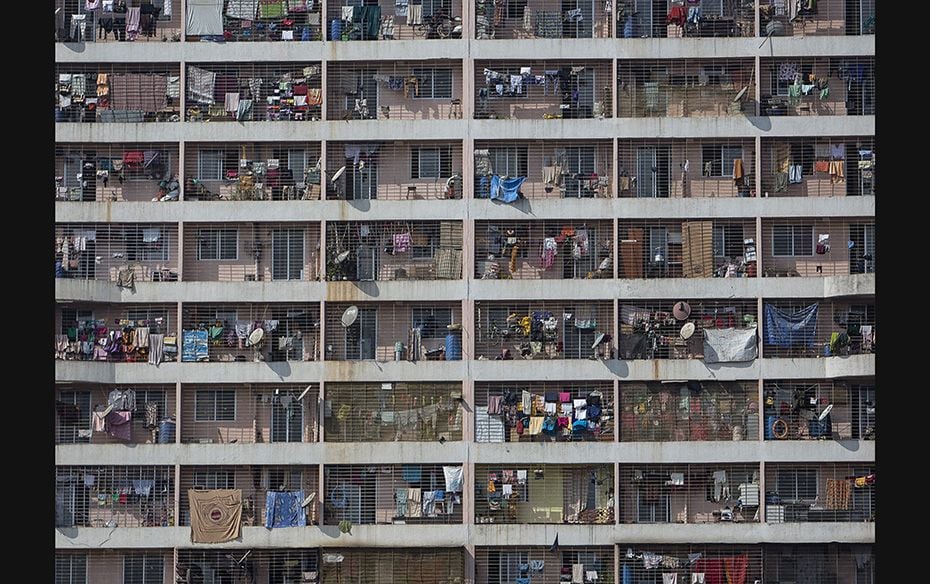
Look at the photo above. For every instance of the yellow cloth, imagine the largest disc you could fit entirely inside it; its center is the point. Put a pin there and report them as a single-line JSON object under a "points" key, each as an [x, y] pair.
{"points": [[216, 516], [536, 423]]}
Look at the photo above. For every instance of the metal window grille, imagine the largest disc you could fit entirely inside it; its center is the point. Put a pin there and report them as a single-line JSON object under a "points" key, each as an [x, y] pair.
{"points": [[117, 92], [99, 172], [114, 496], [647, 562], [818, 86], [537, 19], [819, 167], [385, 21], [249, 21], [110, 251], [75, 404], [380, 566], [800, 19], [109, 332], [504, 564], [819, 409], [95, 22], [815, 328], [709, 18], [819, 564], [813, 247], [816, 492]]}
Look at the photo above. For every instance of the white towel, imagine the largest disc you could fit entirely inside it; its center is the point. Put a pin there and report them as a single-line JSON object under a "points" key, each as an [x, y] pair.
{"points": [[577, 573], [232, 102], [669, 578], [415, 14], [347, 13]]}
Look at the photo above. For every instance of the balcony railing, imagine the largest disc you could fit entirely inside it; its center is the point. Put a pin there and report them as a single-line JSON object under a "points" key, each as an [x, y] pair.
{"points": [[543, 330], [281, 565], [689, 412], [254, 92], [708, 562], [117, 252], [660, 168], [406, 494], [544, 412], [117, 172], [507, 563], [818, 86], [230, 332], [375, 565], [394, 250], [819, 492], [807, 18], [541, 20], [543, 90], [130, 333], [393, 412], [248, 20], [385, 20], [819, 167], [117, 92], [292, 482], [810, 328], [250, 252], [393, 170], [114, 496], [394, 331], [687, 249], [249, 414], [689, 493], [402, 90], [261, 171], [670, 19], [99, 22], [819, 564], [544, 493], [685, 88], [819, 410], [142, 414], [717, 331], [816, 247]]}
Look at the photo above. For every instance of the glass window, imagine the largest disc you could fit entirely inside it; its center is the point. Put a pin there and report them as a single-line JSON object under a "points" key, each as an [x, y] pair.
{"points": [[215, 405], [143, 568], [210, 164], [435, 83], [792, 240], [218, 244], [432, 321]]}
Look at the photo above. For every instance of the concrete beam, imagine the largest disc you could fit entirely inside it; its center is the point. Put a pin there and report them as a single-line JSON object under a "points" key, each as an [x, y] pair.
{"points": [[526, 129], [457, 452]]}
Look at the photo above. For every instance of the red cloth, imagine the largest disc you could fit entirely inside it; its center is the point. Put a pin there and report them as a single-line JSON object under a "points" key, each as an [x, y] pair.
{"points": [[133, 157], [300, 89], [712, 569], [736, 569], [676, 15]]}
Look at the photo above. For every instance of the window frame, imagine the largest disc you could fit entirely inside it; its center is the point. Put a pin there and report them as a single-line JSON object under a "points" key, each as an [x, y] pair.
{"points": [[148, 561], [427, 77], [71, 577], [792, 475], [219, 233], [209, 478], [443, 161], [793, 238], [200, 394], [221, 163], [430, 325], [719, 161]]}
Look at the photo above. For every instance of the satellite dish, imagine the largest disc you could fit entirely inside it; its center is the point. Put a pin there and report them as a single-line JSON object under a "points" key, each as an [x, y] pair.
{"points": [[741, 94], [343, 256], [338, 174], [349, 316], [824, 413], [687, 330], [255, 337]]}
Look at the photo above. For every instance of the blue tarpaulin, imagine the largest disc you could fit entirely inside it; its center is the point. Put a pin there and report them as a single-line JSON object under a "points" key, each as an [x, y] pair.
{"points": [[283, 509], [784, 329], [194, 347], [506, 190]]}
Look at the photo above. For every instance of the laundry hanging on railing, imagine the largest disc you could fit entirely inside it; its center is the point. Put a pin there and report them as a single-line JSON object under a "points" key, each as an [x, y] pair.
{"points": [[729, 345], [790, 330], [284, 509], [506, 190]]}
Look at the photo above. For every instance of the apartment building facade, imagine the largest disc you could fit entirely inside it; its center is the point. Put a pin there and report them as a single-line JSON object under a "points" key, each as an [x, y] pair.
{"points": [[503, 291]]}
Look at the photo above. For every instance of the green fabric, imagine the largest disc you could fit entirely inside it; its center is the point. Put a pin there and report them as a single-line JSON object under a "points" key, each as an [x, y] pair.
{"points": [[272, 9]]}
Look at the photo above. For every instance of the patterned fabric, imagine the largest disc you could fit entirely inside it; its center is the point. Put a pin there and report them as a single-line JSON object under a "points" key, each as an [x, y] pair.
{"points": [[283, 509]]}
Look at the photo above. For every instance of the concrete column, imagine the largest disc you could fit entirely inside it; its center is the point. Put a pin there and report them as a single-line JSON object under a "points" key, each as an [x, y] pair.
{"points": [[180, 340], [468, 23], [180, 251], [758, 246], [615, 244], [761, 397], [759, 317], [177, 492], [321, 497], [613, 94], [468, 167], [182, 6], [320, 398], [182, 174], [324, 32], [468, 88], [757, 65], [183, 73], [756, 18], [616, 418], [322, 258], [177, 412], [615, 341], [761, 489], [757, 168], [615, 167], [323, 66], [323, 340], [470, 564], [323, 144]]}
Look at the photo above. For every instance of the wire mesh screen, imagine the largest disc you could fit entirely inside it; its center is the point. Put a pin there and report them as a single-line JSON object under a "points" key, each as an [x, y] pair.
{"points": [[584, 564], [830, 17], [810, 328], [657, 248], [117, 252], [102, 22], [543, 89], [397, 171], [813, 247], [819, 564], [254, 92], [79, 417], [544, 169], [380, 566], [254, 413], [230, 332], [819, 167], [393, 412], [297, 484], [723, 167], [114, 496], [685, 88], [249, 20], [542, 19], [819, 409], [116, 332], [669, 19], [817, 86], [689, 412], [543, 330], [393, 250], [564, 249], [544, 493], [544, 411], [250, 252], [275, 566], [816, 492], [386, 20], [689, 493], [136, 566], [117, 92], [696, 329], [394, 331], [259, 171], [398, 90], [116, 172], [655, 563], [407, 494]]}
